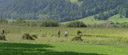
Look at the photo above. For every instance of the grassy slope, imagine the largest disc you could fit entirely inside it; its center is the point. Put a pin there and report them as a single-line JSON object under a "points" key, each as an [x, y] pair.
{"points": [[116, 18], [91, 20]]}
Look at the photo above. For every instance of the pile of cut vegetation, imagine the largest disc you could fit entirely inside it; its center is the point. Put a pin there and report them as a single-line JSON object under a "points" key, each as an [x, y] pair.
{"points": [[27, 36], [2, 37]]}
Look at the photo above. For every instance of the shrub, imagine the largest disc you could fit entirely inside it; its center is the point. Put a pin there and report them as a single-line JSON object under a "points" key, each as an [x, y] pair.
{"points": [[76, 24], [29, 37], [19, 21], [124, 25], [3, 21], [49, 23], [31, 23]]}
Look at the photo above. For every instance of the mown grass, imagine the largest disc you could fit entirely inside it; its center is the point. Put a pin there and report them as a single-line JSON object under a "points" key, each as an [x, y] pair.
{"points": [[97, 41]]}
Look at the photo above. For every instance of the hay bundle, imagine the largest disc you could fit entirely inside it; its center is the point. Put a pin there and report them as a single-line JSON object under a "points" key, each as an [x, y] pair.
{"points": [[34, 36], [2, 37], [77, 38], [29, 37]]}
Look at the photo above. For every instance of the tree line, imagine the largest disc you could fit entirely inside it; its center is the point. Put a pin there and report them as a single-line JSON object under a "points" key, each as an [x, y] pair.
{"points": [[51, 23], [44, 23]]}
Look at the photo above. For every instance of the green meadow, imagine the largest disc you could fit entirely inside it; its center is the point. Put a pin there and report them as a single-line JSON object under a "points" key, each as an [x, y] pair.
{"points": [[96, 41]]}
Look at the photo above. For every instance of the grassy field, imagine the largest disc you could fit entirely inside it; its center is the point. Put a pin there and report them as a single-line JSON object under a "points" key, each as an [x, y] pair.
{"points": [[96, 41]]}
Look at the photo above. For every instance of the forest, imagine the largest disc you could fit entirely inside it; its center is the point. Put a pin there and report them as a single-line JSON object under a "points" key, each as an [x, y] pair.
{"points": [[62, 10]]}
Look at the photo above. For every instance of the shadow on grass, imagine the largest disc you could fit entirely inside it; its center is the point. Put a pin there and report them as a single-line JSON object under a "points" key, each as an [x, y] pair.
{"points": [[33, 49]]}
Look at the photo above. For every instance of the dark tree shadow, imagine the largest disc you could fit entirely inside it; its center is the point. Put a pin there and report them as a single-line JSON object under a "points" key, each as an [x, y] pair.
{"points": [[33, 49], [70, 53]]}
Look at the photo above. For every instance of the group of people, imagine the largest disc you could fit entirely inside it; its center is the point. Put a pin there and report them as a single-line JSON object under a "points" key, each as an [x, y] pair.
{"points": [[59, 32], [66, 34]]}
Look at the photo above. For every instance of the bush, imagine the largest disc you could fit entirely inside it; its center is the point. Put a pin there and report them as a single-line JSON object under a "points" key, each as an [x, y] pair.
{"points": [[124, 25], [20, 22], [2, 37], [32, 23], [49, 23], [3, 21], [29, 37], [76, 24]]}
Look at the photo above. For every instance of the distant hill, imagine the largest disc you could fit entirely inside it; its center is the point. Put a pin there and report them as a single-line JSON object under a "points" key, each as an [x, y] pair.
{"points": [[63, 10]]}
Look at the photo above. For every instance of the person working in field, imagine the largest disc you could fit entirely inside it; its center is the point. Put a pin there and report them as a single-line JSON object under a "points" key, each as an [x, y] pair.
{"points": [[79, 33], [2, 36], [59, 33], [66, 34], [3, 31]]}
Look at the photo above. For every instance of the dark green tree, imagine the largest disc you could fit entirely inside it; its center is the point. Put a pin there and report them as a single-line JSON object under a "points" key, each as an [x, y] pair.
{"points": [[49, 23], [76, 24], [3, 21]]}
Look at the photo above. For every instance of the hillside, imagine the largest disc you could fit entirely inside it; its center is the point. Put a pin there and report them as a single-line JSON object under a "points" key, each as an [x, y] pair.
{"points": [[63, 10], [92, 20], [88, 20], [114, 18]]}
